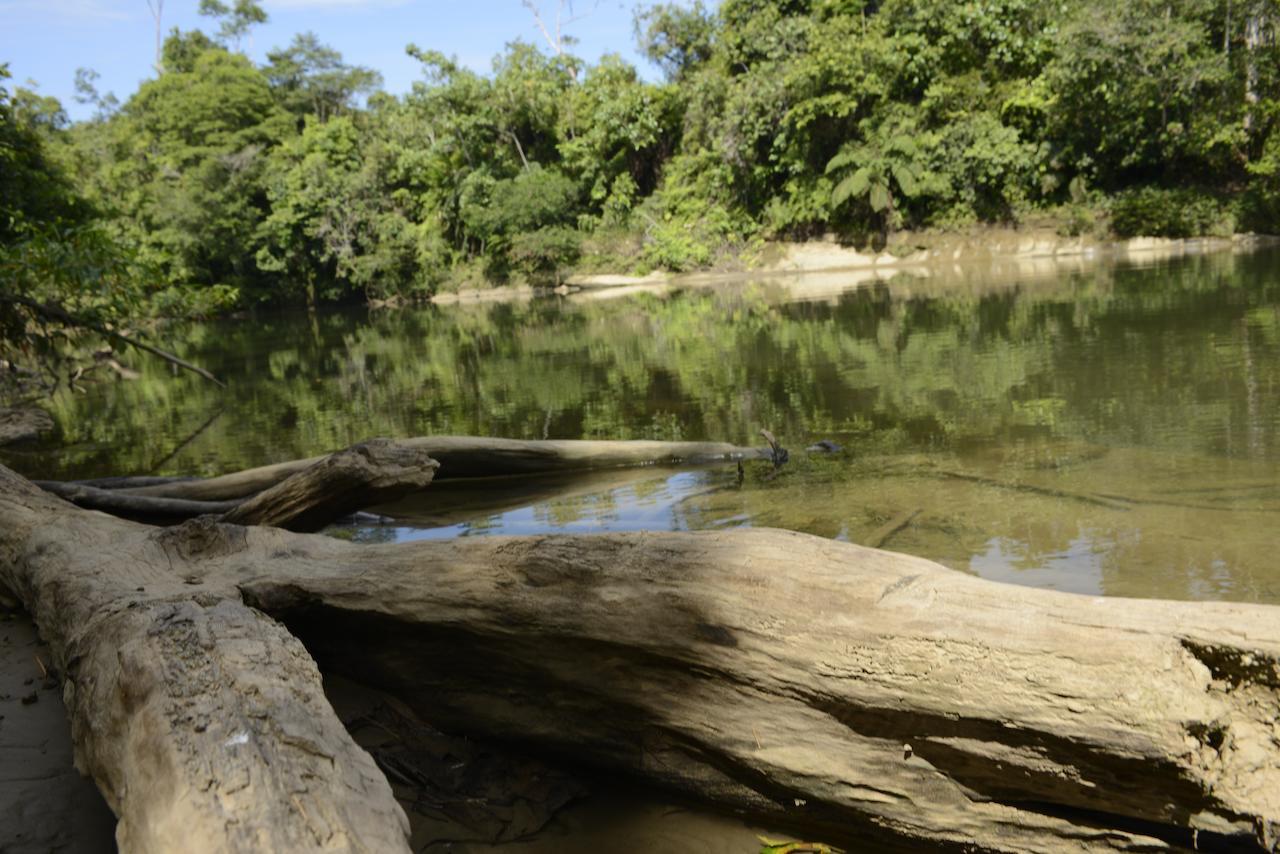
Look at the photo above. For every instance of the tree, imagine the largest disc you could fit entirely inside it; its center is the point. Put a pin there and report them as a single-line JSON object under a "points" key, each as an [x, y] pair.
{"points": [[874, 171], [156, 8], [189, 152], [310, 78], [675, 37], [87, 93], [236, 19], [1136, 91], [557, 39]]}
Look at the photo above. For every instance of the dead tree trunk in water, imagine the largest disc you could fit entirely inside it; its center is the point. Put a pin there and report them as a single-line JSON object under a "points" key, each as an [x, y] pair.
{"points": [[476, 456], [370, 473], [851, 693]]}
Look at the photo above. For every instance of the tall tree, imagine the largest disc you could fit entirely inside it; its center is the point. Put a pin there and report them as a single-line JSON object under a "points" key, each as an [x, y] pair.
{"points": [[310, 78], [554, 31], [87, 93], [236, 19], [156, 7]]}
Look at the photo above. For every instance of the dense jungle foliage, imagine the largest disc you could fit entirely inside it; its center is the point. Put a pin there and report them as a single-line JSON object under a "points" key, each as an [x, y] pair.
{"points": [[220, 184]]}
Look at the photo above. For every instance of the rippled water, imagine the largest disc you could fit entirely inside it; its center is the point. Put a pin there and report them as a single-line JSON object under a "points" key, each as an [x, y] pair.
{"points": [[1113, 429]]}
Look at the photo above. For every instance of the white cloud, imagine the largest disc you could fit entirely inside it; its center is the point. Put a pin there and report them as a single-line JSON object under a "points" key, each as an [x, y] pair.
{"points": [[96, 10]]}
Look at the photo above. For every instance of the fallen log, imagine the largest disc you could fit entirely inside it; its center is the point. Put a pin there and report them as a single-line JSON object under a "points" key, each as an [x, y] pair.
{"points": [[126, 481], [201, 720], [854, 694], [372, 472], [363, 475], [119, 502], [474, 456]]}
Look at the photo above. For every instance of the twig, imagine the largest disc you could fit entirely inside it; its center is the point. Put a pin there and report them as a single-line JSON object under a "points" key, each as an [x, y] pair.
{"points": [[780, 454], [1109, 503]]}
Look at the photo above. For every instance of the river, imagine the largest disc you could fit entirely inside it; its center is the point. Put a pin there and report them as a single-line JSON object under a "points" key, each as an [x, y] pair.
{"points": [[1107, 429]]}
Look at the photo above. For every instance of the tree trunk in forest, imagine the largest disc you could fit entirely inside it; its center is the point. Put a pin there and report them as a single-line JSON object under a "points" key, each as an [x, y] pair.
{"points": [[363, 475], [855, 694], [475, 456]]}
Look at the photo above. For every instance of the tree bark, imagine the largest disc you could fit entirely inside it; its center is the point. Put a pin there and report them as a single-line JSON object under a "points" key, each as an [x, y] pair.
{"points": [[363, 475], [201, 720], [857, 695], [474, 456]]}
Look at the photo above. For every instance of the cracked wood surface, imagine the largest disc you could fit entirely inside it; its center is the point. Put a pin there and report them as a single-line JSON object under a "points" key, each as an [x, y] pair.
{"points": [[865, 696], [201, 720]]}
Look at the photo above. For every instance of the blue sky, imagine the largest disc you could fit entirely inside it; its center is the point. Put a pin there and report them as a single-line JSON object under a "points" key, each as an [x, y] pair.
{"points": [[46, 40]]}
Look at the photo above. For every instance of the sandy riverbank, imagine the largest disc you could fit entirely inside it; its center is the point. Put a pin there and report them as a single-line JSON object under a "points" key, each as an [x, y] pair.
{"points": [[823, 268], [45, 805]]}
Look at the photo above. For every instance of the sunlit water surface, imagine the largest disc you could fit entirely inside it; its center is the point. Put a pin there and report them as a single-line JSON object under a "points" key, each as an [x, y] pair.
{"points": [[1109, 430]]}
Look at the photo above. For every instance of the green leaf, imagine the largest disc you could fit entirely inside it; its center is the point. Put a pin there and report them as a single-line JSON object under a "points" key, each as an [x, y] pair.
{"points": [[845, 158], [854, 185], [879, 197], [908, 183]]}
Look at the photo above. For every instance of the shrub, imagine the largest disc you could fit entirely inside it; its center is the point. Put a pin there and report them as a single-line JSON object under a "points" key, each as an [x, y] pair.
{"points": [[1156, 212], [543, 252]]}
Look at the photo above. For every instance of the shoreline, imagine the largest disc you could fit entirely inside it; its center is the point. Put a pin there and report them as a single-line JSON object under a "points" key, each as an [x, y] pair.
{"points": [[927, 255]]}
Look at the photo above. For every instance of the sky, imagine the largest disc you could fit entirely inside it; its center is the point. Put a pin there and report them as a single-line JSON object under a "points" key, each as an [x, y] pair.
{"points": [[47, 40]]}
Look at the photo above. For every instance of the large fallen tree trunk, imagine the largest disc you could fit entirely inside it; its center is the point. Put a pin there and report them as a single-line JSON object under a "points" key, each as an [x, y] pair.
{"points": [[861, 695], [201, 720], [475, 456]]}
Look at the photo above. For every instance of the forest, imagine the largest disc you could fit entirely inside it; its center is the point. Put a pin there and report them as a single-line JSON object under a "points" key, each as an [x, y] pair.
{"points": [[221, 185]]}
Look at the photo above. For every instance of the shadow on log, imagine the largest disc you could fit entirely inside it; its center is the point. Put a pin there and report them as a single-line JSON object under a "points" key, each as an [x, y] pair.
{"points": [[859, 695]]}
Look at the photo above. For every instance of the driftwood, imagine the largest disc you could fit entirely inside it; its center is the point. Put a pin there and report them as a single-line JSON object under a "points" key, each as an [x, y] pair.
{"points": [[119, 502], [854, 694], [886, 532], [473, 456], [126, 481], [372, 472], [363, 475]]}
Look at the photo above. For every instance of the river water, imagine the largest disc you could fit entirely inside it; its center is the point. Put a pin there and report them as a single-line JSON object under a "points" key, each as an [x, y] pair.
{"points": [[1107, 429]]}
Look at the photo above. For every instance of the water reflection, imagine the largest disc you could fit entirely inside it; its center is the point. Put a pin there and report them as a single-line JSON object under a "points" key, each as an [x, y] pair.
{"points": [[1107, 429]]}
